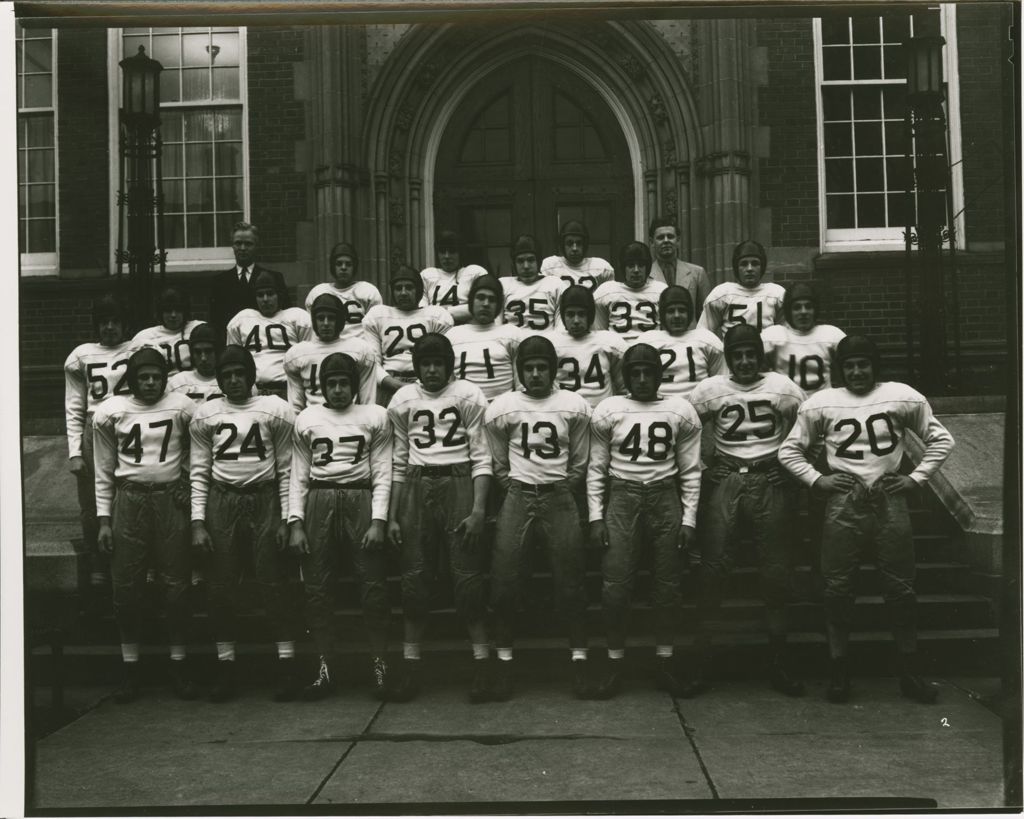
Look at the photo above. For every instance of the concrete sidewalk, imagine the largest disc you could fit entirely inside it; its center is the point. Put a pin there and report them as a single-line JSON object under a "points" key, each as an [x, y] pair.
{"points": [[740, 741]]}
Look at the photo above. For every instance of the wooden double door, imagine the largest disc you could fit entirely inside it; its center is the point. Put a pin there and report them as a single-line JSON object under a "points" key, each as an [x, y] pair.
{"points": [[530, 147]]}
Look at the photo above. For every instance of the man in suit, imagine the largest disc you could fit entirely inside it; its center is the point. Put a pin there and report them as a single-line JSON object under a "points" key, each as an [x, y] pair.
{"points": [[232, 289]]}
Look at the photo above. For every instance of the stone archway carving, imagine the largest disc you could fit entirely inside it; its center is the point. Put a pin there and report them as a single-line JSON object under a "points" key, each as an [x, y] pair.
{"points": [[628, 63]]}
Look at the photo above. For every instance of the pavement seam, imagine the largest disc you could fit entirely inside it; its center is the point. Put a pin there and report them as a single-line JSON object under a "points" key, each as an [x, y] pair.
{"points": [[344, 756], [696, 751]]}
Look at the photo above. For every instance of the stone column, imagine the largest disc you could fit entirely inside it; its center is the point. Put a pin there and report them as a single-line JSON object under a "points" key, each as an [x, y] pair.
{"points": [[728, 111]]}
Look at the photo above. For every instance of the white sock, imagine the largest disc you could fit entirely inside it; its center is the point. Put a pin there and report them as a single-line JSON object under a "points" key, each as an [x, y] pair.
{"points": [[616, 653], [410, 651], [663, 651], [285, 649], [579, 654], [225, 651], [505, 654], [481, 651], [177, 653], [130, 652]]}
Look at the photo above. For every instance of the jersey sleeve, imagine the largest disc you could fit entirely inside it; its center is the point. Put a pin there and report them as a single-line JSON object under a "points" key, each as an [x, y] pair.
{"points": [[479, 451], [710, 317], [282, 426], [497, 440], [75, 403], [371, 331], [597, 468], [715, 353], [441, 323], [233, 334], [104, 443], [381, 454], [687, 454], [937, 441], [600, 311], [794, 453], [399, 441], [579, 443], [298, 479], [296, 384], [302, 325], [200, 464]]}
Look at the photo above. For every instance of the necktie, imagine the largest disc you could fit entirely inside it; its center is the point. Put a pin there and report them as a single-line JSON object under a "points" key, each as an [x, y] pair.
{"points": [[244, 275]]}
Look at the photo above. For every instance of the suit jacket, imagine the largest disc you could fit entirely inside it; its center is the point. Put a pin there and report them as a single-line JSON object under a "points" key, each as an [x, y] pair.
{"points": [[229, 295]]}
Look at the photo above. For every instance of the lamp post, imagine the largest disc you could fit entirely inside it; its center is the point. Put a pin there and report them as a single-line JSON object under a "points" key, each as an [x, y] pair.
{"points": [[140, 145], [925, 95]]}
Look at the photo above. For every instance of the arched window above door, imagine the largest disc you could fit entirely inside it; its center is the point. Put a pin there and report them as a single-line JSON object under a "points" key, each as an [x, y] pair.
{"points": [[575, 137], [489, 138]]}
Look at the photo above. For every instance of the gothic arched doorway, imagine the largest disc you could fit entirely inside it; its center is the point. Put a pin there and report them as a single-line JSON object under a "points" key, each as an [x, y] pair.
{"points": [[528, 148]]}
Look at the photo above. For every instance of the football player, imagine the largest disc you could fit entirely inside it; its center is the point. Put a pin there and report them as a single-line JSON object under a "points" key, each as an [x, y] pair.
{"points": [[357, 295], [687, 356], [574, 266], [751, 412], [484, 350], [645, 458], [141, 454], [531, 300], [392, 331], [747, 300], [200, 382], [93, 372], [630, 307], [240, 462], [441, 474], [448, 284], [864, 426], [172, 334], [539, 439], [338, 498], [268, 332], [802, 349], [301, 362]]}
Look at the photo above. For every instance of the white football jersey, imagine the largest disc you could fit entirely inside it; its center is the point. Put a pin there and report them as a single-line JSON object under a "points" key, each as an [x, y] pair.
{"points": [[358, 298], [626, 311], [439, 428], [591, 273], [92, 373], [864, 434], [341, 446], [394, 332], [804, 358], [302, 370], [485, 355], [532, 306], [172, 343], [146, 443], [686, 359], [199, 388], [450, 290], [268, 338], [539, 440], [730, 303], [645, 442], [241, 445], [750, 420], [589, 365]]}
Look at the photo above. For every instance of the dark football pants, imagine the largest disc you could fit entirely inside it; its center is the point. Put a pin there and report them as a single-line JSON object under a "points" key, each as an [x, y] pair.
{"points": [[336, 520], [243, 526], [869, 516], [550, 512], [639, 516], [432, 506], [149, 529], [85, 484], [770, 510]]}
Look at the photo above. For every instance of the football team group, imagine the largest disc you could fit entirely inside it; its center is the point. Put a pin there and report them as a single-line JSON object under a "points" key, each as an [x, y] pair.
{"points": [[634, 411]]}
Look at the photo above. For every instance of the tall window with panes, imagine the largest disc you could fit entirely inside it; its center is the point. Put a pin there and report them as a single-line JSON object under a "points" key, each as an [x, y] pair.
{"points": [[863, 137], [202, 116], [37, 156]]}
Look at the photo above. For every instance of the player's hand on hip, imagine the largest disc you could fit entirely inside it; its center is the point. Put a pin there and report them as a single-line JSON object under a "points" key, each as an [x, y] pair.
{"points": [[105, 538], [200, 537], [76, 464], [297, 538], [839, 482], [896, 484], [598, 535], [777, 475], [375, 536], [395, 532], [719, 471], [687, 538], [470, 528], [281, 536]]}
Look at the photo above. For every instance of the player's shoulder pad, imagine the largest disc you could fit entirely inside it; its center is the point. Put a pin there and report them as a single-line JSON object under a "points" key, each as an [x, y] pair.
{"points": [[776, 333], [607, 288]]}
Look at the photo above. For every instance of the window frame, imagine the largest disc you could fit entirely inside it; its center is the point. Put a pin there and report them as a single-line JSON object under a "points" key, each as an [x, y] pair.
{"points": [[891, 238], [179, 260], [43, 263]]}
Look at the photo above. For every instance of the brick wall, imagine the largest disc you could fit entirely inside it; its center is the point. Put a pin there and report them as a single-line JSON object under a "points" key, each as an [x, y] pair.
{"points": [[83, 152], [789, 176], [277, 120]]}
